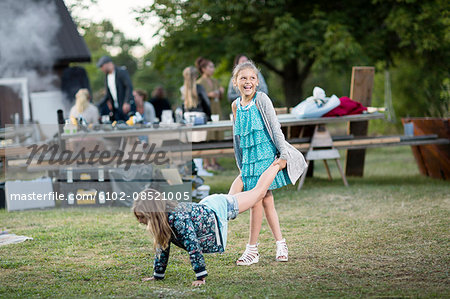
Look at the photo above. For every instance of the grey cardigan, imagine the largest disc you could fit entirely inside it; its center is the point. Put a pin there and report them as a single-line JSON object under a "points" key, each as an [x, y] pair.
{"points": [[296, 163]]}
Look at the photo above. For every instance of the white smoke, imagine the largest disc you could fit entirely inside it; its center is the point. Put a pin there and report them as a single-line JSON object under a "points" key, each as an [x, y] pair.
{"points": [[28, 47]]}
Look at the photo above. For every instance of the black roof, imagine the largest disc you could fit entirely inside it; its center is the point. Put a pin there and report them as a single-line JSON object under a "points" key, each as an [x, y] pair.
{"points": [[72, 46]]}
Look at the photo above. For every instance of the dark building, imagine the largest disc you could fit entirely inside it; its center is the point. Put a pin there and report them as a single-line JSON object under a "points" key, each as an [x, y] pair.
{"points": [[66, 46]]}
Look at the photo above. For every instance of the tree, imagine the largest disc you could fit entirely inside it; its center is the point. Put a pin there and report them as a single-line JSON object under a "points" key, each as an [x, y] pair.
{"points": [[292, 38], [148, 78], [273, 33]]}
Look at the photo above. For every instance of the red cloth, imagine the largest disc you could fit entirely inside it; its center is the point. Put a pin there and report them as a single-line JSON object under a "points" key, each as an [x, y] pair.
{"points": [[347, 107]]}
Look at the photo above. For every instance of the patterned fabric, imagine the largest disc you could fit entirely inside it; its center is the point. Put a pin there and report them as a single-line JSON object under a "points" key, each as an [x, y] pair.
{"points": [[195, 228], [226, 208], [258, 149]]}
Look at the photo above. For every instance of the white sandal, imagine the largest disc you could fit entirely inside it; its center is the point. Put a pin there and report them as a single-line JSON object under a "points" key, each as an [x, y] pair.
{"points": [[282, 251], [250, 256]]}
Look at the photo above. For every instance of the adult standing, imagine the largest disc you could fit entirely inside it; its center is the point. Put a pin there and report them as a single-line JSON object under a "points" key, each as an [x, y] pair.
{"points": [[119, 90], [211, 85], [233, 93], [215, 92]]}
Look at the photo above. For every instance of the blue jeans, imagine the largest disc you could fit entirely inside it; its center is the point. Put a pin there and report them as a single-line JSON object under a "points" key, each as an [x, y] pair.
{"points": [[232, 207]]}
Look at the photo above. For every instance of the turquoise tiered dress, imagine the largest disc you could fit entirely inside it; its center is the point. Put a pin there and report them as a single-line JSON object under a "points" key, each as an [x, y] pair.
{"points": [[258, 149]]}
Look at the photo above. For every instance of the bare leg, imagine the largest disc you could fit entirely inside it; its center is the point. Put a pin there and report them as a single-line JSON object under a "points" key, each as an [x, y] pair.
{"points": [[236, 186], [248, 199], [272, 215], [256, 218], [274, 223], [253, 199], [256, 212]]}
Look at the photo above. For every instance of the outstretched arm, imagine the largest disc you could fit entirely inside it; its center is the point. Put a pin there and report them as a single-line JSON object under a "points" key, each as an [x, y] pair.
{"points": [[185, 228]]}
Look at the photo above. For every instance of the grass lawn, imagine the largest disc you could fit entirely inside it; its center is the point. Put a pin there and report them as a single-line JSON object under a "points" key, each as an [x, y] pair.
{"points": [[386, 235]]}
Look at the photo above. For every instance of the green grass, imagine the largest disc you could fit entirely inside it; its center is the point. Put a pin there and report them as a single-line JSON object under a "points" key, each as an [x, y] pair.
{"points": [[385, 235]]}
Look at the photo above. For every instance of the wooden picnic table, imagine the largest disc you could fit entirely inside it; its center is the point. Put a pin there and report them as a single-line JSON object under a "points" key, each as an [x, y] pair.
{"points": [[225, 147], [286, 120]]}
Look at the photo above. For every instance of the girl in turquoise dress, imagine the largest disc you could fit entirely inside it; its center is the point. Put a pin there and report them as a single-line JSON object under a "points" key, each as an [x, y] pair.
{"points": [[259, 143]]}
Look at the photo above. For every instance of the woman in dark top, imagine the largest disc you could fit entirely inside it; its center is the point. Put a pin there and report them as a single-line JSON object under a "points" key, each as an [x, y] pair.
{"points": [[159, 101]]}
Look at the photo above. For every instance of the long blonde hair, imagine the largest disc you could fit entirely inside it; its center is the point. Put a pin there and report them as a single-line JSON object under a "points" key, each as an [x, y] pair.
{"points": [[82, 100], [190, 75], [150, 204]]}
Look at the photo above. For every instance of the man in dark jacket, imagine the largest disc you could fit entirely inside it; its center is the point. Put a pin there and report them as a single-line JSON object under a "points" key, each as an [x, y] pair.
{"points": [[119, 90]]}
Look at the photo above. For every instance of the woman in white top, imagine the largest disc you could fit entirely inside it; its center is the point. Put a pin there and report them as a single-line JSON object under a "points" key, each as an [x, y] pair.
{"points": [[84, 108]]}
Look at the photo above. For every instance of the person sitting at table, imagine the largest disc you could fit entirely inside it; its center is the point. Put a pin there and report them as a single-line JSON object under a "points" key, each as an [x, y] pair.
{"points": [[84, 108], [160, 101], [143, 107]]}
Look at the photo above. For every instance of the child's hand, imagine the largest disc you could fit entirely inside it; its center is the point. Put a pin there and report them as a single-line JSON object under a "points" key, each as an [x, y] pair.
{"points": [[198, 283], [148, 279], [281, 162]]}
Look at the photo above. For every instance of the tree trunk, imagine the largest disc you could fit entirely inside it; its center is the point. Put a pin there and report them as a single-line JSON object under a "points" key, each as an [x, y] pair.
{"points": [[293, 80]]}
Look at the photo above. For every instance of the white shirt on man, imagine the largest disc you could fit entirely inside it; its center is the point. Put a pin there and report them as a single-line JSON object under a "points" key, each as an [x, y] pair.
{"points": [[111, 79]]}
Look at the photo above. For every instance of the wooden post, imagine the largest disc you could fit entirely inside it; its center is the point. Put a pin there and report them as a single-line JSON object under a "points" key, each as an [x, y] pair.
{"points": [[360, 91]]}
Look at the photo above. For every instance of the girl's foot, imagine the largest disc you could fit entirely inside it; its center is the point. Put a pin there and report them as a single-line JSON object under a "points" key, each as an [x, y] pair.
{"points": [[282, 251], [250, 256]]}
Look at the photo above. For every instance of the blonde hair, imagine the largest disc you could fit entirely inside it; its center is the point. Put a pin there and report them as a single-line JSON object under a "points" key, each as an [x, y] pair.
{"points": [[245, 65], [150, 204], [82, 100], [190, 87]]}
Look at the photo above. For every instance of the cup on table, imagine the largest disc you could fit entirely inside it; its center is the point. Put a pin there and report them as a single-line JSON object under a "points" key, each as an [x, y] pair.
{"points": [[215, 117], [166, 117]]}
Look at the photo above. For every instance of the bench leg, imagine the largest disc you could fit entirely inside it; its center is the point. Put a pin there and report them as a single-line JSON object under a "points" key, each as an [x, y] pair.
{"points": [[344, 179], [302, 178], [328, 169]]}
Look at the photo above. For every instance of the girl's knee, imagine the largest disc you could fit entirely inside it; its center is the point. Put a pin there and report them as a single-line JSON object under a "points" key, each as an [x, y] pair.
{"points": [[268, 200], [257, 205]]}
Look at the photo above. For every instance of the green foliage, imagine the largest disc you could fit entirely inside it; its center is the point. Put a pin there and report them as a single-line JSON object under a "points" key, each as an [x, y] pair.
{"points": [[297, 40], [148, 78], [298, 45]]}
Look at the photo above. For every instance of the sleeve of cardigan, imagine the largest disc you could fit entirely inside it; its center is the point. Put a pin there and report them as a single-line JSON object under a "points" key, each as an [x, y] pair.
{"points": [[185, 229], [160, 263], [275, 127]]}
